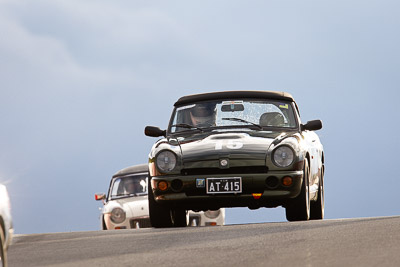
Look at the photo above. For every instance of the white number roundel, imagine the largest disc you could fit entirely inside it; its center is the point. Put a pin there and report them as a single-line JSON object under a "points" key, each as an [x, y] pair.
{"points": [[231, 144]]}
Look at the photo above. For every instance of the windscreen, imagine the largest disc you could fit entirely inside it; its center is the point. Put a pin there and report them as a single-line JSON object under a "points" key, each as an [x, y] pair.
{"points": [[262, 114], [129, 186]]}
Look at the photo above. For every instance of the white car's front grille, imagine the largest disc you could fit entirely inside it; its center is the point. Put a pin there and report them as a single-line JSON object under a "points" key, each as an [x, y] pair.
{"points": [[140, 223]]}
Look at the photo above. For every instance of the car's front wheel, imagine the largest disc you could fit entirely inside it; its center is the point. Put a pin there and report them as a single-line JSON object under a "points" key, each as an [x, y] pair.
{"points": [[160, 216], [299, 208], [317, 207], [3, 252], [179, 217]]}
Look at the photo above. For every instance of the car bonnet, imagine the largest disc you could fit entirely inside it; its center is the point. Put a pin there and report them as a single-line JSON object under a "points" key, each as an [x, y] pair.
{"points": [[236, 146]]}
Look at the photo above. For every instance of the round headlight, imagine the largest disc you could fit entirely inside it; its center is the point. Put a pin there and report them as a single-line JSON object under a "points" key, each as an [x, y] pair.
{"points": [[283, 156], [118, 215], [166, 161], [212, 214]]}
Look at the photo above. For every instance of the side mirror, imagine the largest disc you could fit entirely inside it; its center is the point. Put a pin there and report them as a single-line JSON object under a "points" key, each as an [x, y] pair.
{"points": [[312, 125], [99, 196], [154, 131]]}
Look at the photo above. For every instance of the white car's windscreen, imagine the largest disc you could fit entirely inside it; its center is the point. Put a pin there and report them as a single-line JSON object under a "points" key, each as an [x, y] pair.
{"points": [[128, 186]]}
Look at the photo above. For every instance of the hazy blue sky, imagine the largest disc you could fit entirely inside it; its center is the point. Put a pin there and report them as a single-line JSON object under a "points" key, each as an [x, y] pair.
{"points": [[79, 81]]}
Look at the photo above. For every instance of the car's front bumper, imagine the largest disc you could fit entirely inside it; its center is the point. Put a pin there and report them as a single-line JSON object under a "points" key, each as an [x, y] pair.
{"points": [[128, 223], [191, 196]]}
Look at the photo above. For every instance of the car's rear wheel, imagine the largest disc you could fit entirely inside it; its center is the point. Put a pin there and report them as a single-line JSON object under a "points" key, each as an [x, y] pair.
{"points": [[317, 207], [3, 252], [160, 216], [179, 217], [299, 208]]}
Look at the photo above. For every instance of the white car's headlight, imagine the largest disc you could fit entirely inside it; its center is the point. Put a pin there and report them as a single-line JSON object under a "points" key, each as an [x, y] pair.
{"points": [[212, 214], [166, 161], [118, 215], [283, 156]]}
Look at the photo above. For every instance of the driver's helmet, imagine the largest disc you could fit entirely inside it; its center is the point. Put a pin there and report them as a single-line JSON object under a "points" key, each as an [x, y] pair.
{"points": [[203, 114], [131, 186]]}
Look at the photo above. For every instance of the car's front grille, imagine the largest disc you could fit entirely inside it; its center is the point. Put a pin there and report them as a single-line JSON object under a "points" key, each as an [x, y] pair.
{"points": [[140, 223], [232, 170], [194, 220]]}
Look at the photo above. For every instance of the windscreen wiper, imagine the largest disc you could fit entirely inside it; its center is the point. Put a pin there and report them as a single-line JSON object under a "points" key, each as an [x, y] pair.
{"points": [[241, 120], [188, 126], [124, 195]]}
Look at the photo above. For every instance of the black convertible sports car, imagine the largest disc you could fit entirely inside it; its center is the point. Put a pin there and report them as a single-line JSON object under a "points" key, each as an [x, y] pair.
{"points": [[235, 149]]}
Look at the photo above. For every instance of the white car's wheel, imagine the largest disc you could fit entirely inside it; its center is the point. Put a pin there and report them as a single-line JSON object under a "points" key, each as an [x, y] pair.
{"points": [[3, 251]]}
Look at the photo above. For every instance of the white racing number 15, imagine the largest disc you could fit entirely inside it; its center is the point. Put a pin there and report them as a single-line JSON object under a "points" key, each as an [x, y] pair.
{"points": [[231, 144]]}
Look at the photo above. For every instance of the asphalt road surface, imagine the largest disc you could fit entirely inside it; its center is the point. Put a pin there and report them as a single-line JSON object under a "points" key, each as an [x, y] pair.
{"points": [[347, 242]]}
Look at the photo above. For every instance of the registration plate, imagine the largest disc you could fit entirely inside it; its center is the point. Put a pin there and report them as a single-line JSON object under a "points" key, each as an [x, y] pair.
{"points": [[224, 185]]}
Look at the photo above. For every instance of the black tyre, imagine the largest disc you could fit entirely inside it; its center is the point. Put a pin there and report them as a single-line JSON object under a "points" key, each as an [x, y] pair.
{"points": [[103, 224], [317, 207], [179, 217], [3, 251], [299, 208], [160, 216]]}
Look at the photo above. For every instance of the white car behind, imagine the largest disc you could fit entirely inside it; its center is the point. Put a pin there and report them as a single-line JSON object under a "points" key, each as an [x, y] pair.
{"points": [[126, 204]]}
